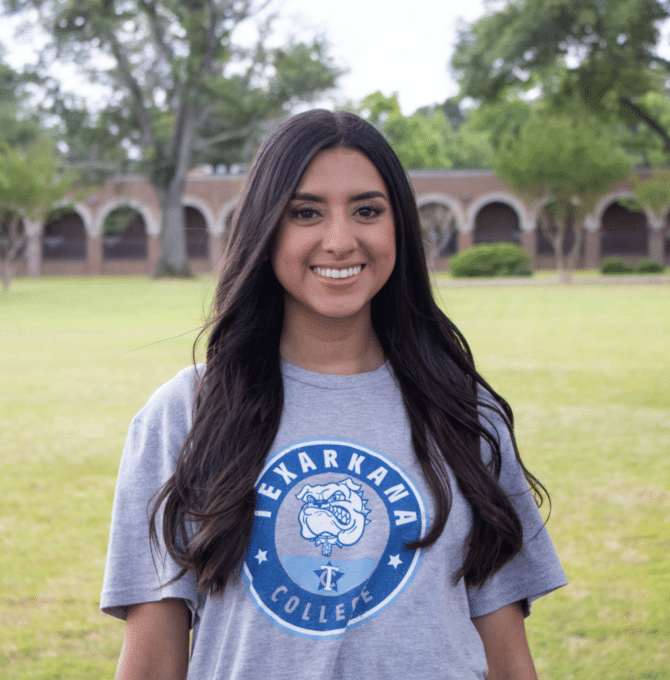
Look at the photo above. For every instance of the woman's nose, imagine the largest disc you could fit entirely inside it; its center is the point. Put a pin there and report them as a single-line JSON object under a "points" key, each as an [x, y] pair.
{"points": [[339, 236]]}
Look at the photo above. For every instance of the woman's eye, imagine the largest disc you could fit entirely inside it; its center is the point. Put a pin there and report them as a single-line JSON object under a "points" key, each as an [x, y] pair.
{"points": [[304, 213], [369, 211]]}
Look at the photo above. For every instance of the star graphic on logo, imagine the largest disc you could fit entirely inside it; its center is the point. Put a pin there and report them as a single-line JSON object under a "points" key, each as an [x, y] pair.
{"points": [[395, 561], [261, 556], [328, 577]]}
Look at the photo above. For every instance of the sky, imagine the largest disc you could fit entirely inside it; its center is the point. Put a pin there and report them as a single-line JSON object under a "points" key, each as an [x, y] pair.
{"points": [[388, 46], [399, 47]]}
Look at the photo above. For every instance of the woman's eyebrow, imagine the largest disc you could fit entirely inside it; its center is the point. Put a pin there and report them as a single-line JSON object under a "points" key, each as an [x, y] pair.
{"points": [[315, 198], [303, 196], [368, 194]]}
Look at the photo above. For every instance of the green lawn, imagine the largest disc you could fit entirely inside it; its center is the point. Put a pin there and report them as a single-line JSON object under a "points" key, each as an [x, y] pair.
{"points": [[587, 370]]}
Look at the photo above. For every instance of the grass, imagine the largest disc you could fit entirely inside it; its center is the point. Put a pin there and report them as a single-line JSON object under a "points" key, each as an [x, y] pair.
{"points": [[587, 370], [588, 373]]}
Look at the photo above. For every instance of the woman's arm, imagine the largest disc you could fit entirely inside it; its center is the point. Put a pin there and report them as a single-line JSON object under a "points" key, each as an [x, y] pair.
{"points": [[504, 636], [155, 646]]}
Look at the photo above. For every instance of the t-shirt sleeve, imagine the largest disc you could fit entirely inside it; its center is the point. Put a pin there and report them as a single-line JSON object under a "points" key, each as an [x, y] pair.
{"points": [[536, 570], [136, 571]]}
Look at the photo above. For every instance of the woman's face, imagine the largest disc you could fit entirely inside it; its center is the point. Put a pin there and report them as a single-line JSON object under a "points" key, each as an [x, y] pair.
{"points": [[336, 243]]}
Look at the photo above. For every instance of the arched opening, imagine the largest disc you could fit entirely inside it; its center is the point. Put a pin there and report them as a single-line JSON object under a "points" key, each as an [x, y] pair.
{"points": [[64, 237], [623, 231], [438, 228], [124, 235], [197, 238], [497, 221]]}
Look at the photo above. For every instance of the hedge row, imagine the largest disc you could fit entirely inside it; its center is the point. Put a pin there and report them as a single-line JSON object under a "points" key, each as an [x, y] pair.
{"points": [[491, 259], [615, 265], [508, 259]]}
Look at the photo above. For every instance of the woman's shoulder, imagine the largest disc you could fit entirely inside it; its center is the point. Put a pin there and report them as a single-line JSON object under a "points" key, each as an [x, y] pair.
{"points": [[491, 411], [173, 401]]}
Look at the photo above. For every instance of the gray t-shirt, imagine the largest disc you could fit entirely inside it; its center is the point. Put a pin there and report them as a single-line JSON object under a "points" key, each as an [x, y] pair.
{"points": [[328, 591]]}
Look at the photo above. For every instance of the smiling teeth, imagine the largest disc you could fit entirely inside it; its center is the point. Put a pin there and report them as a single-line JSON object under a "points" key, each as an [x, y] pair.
{"points": [[337, 273]]}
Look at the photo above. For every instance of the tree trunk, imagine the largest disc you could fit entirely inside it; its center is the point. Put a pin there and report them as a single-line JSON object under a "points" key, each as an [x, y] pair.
{"points": [[556, 239], [563, 267], [15, 240], [174, 259], [578, 231], [7, 275]]}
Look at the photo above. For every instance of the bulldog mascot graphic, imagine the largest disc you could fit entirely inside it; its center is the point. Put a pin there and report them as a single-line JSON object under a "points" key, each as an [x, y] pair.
{"points": [[333, 514]]}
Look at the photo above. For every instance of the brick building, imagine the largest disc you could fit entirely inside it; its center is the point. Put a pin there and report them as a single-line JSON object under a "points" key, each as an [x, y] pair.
{"points": [[480, 208]]}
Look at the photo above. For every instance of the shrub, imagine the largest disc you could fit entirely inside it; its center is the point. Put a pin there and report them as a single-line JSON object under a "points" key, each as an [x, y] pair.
{"points": [[491, 259], [614, 265], [649, 266]]}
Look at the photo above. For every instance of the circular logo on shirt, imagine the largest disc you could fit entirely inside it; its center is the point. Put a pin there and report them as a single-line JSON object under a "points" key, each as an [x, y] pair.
{"points": [[327, 550]]}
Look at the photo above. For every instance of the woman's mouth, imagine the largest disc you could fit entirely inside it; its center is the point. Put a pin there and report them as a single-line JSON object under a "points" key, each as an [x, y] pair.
{"points": [[330, 273]]}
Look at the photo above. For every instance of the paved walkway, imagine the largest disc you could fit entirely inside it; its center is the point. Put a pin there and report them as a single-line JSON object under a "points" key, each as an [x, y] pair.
{"points": [[628, 279]]}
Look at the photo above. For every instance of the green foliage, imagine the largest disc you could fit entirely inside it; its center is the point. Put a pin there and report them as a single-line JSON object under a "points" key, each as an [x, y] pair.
{"points": [[604, 52], [451, 108], [433, 137], [648, 266], [654, 190], [644, 145], [18, 124], [30, 183], [31, 180], [614, 265], [602, 44], [561, 156], [419, 140], [500, 118], [303, 71], [491, 259], [469, 146]]}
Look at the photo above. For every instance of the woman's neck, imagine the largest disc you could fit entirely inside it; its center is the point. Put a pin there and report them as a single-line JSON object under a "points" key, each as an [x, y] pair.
{"points": [[331, 346]]}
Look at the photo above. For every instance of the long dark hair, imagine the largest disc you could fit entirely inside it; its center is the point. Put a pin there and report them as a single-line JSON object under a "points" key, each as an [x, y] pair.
{"points": [[208, 503]]}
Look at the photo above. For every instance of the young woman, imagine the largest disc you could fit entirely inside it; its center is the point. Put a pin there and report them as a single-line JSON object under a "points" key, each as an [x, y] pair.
{"points": [[336, 493]]}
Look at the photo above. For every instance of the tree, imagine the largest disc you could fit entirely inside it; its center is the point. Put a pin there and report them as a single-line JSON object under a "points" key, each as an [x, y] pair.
{"points": [[419, 140], [567, 162], [30, 183], [437, 228], [467, 141], [434, 137], [654, 190], [18, 124], [469, 146], [605, 51], [182, 92], [28, 168]]}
